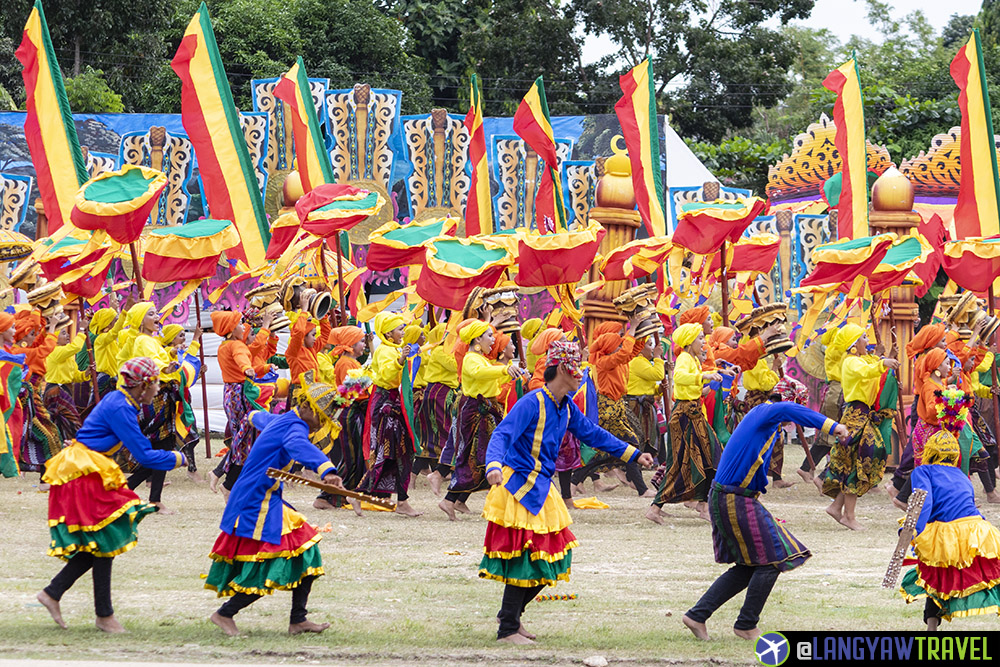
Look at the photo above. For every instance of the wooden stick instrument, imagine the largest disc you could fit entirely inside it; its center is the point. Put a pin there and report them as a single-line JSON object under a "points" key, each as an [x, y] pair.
{"points": [[292, 478], [913, 508]]}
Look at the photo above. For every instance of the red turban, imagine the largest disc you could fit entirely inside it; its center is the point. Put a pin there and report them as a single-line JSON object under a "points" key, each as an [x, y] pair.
{"points": [[344, 338], [25, 322], [696, 315], [719, 337], [499, 345], [224, 322]]}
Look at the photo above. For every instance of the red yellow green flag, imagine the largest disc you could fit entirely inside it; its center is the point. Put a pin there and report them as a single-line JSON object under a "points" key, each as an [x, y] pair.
{"points": [[478, 207], [48, 127], [310, 154], [849, 117], [637, 114], [531, 122], [976, 213], [210, 119]]}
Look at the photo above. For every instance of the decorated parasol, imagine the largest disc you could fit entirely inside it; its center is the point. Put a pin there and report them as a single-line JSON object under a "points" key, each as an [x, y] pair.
{"points": [[749, 257], [332, 208], [191, 253], [455, 267], [284, 230], [63, 257], [548, 260], [636, 259], [973, 263], [394, 246], [14, 245]]}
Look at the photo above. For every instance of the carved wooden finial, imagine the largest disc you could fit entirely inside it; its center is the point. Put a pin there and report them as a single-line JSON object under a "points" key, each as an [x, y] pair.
{"points": [[439, 119], [362, 94], [710, 191]]}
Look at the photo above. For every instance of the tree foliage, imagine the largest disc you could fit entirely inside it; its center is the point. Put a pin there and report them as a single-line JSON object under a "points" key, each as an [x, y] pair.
{"points": [[88, 92]]}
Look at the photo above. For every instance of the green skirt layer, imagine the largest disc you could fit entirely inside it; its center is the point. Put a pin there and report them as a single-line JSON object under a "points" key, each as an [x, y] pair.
{"points": [[111, 540], [522, 571], [986, 601], [265, 576]]}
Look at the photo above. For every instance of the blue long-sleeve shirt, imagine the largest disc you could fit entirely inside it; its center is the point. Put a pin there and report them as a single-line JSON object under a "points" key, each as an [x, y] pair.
{"points": [[528, 440], [114, 420], [747, 456], [950, 495], [254, 506]]}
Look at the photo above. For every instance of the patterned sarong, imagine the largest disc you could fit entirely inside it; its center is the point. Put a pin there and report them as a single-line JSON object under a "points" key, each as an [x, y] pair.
{"points": [[477, 417], [744, 532], [691, 457]]}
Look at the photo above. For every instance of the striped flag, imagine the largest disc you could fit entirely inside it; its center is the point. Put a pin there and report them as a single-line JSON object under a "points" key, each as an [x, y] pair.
{"points": [[531, 122], [312, 160], [977, 209], [478, 207], [48, 127], [637, 114], [210, 119], [849, 117]]}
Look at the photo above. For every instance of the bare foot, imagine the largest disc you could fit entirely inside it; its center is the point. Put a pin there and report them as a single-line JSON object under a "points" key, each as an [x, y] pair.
{"points": [[577, 489], [405, 509], [889, 489], [323, 504], [228, 625], [523, 631], [899, 503], [993, 497], [782, 484], [819, 483], [355, 505], [52, 605], [749, 635], [650, 493], [837, 516], [448, 508], [804, 474], [851, 523], [462, 508], [699, 630], [213, 482], [435, 480], [164, 510], [691, 504], [516, 638], [654, 514], [43, 487], [109, 624], [600, 486], [703, 514], [194, 476], [307, 626]]}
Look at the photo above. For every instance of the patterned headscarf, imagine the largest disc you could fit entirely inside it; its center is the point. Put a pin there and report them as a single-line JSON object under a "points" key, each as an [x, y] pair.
{"points": [[137, 371], [942, 448], [567, 355]]}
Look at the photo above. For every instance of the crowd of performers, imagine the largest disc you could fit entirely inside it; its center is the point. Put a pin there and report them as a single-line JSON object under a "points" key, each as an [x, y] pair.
{"points": [[527, 422]]}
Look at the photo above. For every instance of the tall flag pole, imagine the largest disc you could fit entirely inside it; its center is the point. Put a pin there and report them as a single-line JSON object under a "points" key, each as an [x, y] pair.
{"points": [[849, 117], [310, 153], [637, 114], [48, 127], [213, 126], [532, 123], [976, 213], [478, 207]]}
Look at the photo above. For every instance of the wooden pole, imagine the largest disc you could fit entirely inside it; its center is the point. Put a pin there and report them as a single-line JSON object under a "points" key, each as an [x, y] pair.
{"points": [[136, 269], [725, 286], [204, 384], [519, 341], [993, 374], [340, 280], [90, 357], [900, 408], [666, 400]]}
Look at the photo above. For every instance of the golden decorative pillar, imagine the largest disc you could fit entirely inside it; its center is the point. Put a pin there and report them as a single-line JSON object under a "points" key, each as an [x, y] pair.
{"points": [[362, 96], [439, 123], [615, 211], [784, 221]]}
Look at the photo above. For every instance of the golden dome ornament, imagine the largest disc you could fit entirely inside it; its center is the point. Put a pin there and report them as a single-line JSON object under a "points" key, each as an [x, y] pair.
{"points": [[892, 192], [614, 189]]}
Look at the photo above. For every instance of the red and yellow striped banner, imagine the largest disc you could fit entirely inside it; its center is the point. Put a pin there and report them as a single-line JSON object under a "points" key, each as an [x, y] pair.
{"points": [[312, 160], [637, 114], [478, 206], [976, 213], [210, 119], [849, 117], [48, 127], [531, 123]]}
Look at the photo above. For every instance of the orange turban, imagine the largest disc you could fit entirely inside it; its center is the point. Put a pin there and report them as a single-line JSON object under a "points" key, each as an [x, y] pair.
{"points": [[927, 338], [540, 345], [26, 321], [224, 322], [933, 360], [604, 345], [344, 338], [499, 345], [694, 315], [719, 337], [6, 321], [606, 327]]}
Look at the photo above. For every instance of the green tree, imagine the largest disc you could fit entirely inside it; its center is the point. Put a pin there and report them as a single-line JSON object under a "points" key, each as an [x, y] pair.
{"points": [[88, 92]]}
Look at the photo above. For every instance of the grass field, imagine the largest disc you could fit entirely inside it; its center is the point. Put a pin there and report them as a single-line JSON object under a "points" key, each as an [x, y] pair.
{"points": [[397, 593]]}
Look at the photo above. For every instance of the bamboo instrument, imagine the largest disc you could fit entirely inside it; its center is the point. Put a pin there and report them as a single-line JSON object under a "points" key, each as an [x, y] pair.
{"points": [[283, 476]]}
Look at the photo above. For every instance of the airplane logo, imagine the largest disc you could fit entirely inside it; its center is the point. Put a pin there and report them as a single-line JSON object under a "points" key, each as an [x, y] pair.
{"points": [[771, 649]]}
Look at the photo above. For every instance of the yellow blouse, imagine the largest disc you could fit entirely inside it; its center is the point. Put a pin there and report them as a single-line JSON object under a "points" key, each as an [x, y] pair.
{"points": [[442, 367], [387, 372], [978, 388], [688, 379], [325, 371], [760, 378], [860, 377], [147, 346], [192, 349], [60, 366], [481, 377], [106, 348], [644, 376], [831, 363]]}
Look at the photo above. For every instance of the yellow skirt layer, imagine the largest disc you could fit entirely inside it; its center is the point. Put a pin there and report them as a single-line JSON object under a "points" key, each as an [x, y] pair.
{"points": [[78, 460], [503, 509], [957, 543]]}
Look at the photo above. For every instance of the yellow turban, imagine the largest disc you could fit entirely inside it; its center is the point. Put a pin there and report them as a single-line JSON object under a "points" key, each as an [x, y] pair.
{"points": [[169, 333], [847, 336], [385, 322], [411, 334], [828, 336], [138, 312], [687, 333], [102, 319], [471, 332], [530, 328], [436, 334]]}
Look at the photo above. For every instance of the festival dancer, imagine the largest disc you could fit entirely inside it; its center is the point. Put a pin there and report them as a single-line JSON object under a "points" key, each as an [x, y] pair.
{"points": [[792, 391], [92, 514], [479, 412], [958, 551], [61, 373], [387, 440], [40, 439], [539, 346], [857, 466], [645, 379], [106, 326], [693, 447], [528, 543], [139, 339], [265, 545], [189, 370], [743, 531], [302, 349], [831, 407], [761, 384], [982, 387], [439, 402], [530, 328]]}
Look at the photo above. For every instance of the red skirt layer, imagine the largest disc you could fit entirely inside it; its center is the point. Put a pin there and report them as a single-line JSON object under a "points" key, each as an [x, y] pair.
{"points": [[84, 504], [946, 582], [230, 547], [504, 542]]}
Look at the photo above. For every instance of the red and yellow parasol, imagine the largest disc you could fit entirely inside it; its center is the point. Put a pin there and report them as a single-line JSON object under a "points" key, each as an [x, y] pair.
{"points": [[454, 267], [394, 246]]}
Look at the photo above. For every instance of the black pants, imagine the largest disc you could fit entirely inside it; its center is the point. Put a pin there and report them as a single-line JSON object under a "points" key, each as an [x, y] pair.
{"points": [[566, 484], [818, 451], [443, 469], [228, 477], [931, 610], [156, 477], [300, 598], [989, 476], [758, 582], [75, 568], [515, 600], [457, 496], [632, 473]]}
